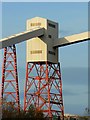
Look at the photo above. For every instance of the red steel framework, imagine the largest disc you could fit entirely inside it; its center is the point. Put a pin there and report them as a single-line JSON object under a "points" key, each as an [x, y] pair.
{"points": [[10, 89], [43, 88]]}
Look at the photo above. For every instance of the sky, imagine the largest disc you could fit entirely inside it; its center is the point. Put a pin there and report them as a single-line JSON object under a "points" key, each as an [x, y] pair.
{"points": [[72, 18], [45, 0]]}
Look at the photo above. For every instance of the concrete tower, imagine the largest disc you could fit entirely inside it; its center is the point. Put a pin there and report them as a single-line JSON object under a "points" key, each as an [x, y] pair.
{"points": [[41, 49]]}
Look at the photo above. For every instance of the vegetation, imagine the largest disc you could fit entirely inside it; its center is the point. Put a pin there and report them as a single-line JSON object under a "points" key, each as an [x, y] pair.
{"points": [[9, 112], [84, 118]]}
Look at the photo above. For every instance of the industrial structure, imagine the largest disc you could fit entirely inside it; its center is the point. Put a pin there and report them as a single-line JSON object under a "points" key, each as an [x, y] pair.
{"points": [[43, 85]]}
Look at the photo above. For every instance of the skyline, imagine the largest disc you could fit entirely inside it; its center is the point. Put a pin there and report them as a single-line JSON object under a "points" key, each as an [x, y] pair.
{"points": [[69, 65]]}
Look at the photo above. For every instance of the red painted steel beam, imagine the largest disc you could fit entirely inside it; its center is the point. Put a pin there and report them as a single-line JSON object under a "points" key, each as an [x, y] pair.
{"points": [[43, 88], [10, 88]]}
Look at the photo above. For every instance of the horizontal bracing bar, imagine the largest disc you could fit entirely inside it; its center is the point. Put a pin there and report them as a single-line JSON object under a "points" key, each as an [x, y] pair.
{"points": [[23, 36], [71, 39]]}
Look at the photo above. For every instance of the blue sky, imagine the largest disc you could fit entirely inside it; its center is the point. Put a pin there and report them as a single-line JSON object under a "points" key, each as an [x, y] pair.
{"points": [[44, 1], [72, 18]]}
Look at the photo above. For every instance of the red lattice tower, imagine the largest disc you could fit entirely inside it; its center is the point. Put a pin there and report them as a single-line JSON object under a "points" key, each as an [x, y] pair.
{"points": [[10, 89], [43, 89]]}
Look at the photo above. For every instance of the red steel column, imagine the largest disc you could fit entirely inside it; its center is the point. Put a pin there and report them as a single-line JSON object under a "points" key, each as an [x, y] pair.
{"points": [[43, 88], [48, 92], [10, 88]]}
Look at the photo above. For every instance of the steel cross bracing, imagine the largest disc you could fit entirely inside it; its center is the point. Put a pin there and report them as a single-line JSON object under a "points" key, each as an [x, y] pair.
{"points": [[43, 88], [10, 88]]}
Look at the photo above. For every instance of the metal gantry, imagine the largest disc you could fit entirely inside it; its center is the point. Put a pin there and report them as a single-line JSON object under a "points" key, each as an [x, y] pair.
{"points": [[43, 85]]}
